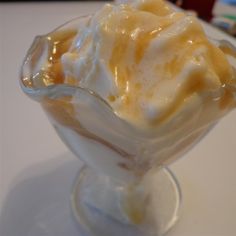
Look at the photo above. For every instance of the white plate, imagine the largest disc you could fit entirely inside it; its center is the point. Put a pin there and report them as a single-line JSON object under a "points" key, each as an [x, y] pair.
{"points": [[37, 171]]}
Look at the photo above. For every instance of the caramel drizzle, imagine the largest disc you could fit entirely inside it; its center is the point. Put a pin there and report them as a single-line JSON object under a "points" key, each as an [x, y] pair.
{"points": [[228, 49], [228, 97], [193, 85], [62, 111], [124, 72], [125, 37], [58, 43], [159, 8], [124, 166], [196, 83], [135, 204]]}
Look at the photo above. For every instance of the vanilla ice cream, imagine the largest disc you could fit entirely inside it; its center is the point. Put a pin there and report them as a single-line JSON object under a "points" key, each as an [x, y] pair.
{"points": [[134, 85], [148, 62]]}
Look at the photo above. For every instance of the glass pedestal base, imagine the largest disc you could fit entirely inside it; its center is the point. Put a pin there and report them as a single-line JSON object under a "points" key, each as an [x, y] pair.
{"points": [[104, 207]]}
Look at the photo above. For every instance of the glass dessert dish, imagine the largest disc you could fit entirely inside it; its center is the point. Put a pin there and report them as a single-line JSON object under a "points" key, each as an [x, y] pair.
{"points": [[125, 186]]}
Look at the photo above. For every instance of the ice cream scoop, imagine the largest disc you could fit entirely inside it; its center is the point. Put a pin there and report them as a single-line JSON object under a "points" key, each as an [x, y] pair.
{"points": [[149, 62], [140, 81]]}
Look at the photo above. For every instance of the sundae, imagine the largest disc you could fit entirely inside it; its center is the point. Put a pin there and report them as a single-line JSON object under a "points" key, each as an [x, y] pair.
{"points": [[129, 89], [157, 71], [150, 64]]}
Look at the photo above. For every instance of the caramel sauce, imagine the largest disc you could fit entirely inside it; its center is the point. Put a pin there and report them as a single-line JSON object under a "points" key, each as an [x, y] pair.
{"points": [[195, 84], [227, 99], [156, 7], [124, 166], [143, 41], [111, 98], [58, 43], [124, 71], [126, 37], [172, 67], [63, 112], [226, 73], [135, 205], [189, 41], [116, 65], [175, 66], [27, 82], [228, 50], [221, 65], [71, 81]]}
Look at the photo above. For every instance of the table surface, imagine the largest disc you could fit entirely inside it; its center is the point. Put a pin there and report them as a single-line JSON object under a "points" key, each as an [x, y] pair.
{"points": [[37, 170]]}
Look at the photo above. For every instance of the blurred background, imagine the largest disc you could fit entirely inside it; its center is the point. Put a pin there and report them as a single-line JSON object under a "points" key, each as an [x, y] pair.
{"points": [[220, 13]]}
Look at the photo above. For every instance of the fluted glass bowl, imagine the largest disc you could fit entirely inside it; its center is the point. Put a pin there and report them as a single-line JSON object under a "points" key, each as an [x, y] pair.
{"points": [[125, 187]]}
